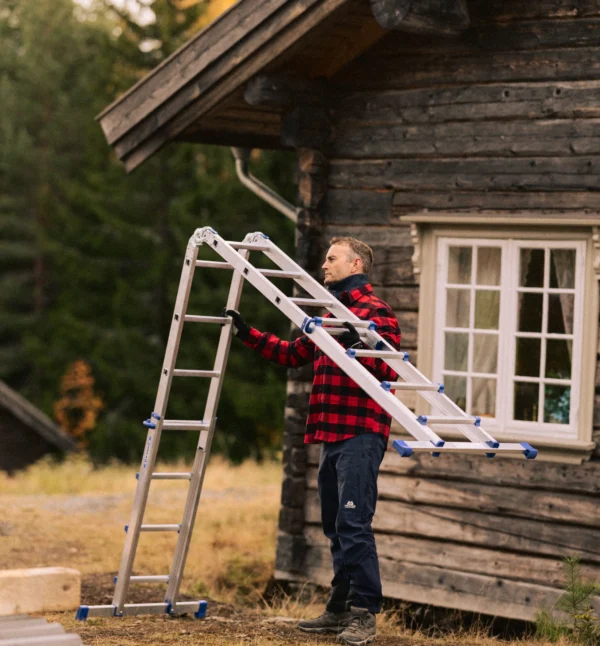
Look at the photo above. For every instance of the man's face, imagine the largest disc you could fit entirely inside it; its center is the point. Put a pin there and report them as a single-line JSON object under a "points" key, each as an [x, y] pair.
{"points": [[340, 263]]}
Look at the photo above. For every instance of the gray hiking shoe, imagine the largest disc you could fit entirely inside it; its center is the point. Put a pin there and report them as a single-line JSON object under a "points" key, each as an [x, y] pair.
{"points": [[328, 622], [361, 629]]}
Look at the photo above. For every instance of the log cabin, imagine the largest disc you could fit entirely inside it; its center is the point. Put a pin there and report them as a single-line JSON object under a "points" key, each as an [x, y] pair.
{"points": [[461, 140]]}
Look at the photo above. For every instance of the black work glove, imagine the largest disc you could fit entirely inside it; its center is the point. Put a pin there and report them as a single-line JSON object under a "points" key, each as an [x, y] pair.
{"points": [[351, 338], [242, 329]]}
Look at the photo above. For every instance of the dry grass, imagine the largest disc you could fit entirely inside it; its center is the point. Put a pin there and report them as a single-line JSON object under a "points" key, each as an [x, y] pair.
{"points": [[73, 515]]}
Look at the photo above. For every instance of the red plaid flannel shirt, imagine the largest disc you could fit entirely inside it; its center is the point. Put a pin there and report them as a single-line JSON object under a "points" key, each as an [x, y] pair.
{"points": [[338, 408]]}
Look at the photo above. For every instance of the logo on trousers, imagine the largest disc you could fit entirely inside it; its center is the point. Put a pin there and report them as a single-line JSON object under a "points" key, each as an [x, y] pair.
{"points": [[350, 505]]}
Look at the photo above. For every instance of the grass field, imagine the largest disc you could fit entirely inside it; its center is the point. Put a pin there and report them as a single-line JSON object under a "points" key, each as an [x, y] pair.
{"points": [[73, 515]]}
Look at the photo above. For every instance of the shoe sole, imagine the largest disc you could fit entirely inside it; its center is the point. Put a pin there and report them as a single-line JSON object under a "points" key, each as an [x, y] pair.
{"points": [[368, 640], [321, 631]]}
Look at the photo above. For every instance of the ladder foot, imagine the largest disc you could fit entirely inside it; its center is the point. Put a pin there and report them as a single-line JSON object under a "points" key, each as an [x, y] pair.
{"points": [[490, 455], [82, 613], [201, 612]]}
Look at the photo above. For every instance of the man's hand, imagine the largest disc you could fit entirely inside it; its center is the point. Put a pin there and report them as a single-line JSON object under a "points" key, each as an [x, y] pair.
{"points": [[242, 329], [351, 338]]}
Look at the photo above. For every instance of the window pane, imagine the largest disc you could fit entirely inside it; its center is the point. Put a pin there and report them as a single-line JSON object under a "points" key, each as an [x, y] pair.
{"points": [[485, 353], [560, 313], [558, 358], [487, 310], [526, 402], [456, 389], [459, 265], [562, 268], [457, 308], [483, 396], [530, 312], [456, 355], [488, 265], [557, 404], [528, 357], [532, 268]]}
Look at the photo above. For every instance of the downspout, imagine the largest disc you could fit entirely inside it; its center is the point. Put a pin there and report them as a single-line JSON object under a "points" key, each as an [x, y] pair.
{"points": [[257, 187]]}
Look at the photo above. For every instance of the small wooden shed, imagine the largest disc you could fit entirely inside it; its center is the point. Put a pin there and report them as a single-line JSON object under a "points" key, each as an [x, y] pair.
{"points": [[26, 434], [461, 140]]}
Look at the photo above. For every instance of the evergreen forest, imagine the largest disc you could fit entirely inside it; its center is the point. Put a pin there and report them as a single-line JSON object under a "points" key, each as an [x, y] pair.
{"points": [[90, 257]]}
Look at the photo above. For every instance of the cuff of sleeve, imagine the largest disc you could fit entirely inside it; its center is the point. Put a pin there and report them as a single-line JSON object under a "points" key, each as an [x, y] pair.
{"points": [[251, 338]]}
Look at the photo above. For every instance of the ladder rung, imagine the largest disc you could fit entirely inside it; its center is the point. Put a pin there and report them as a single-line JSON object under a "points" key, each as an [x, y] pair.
{"points": [[466, 420], [196, 373], [184, 425], [338, 331], [171, 476], [160, 528], [311, 302], [378, 354], [214, 264], [248, 245], [332, 323], [158, 578], [280, 273], [403, 385], [193, 318]]}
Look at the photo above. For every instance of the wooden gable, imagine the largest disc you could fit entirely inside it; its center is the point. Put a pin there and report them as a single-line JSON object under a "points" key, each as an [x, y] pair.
{"points": [[198, 93]]}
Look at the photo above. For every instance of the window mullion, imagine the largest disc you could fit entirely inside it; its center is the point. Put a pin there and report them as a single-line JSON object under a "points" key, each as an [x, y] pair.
{"points": [[542, 367]]}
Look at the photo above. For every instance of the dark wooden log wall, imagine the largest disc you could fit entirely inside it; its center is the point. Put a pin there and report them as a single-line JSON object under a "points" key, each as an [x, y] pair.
{"points": [[503, 119]]}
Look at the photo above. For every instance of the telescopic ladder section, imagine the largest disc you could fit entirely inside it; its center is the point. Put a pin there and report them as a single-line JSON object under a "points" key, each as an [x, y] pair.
{"points": [[322, 331]]}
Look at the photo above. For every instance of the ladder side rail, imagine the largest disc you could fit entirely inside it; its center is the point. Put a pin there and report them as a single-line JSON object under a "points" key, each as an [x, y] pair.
{"points": [[409, 372], [307, 282], [153, 436], [325, 342], [406, 370], [205, 442]]}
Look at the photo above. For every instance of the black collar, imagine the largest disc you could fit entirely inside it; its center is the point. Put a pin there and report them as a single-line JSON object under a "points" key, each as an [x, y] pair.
{"points": [[348, 284]]}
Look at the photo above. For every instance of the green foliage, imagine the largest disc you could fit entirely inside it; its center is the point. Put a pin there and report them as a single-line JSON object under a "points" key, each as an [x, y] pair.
{"points": [[581, 624], [91, 257]]}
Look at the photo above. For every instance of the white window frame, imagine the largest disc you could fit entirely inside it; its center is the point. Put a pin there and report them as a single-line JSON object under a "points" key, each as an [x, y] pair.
{"points": [[570, 444], [507, 331]]}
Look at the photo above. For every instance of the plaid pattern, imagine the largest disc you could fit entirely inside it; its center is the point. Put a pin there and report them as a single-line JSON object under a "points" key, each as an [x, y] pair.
{"points": [[338, 408]]}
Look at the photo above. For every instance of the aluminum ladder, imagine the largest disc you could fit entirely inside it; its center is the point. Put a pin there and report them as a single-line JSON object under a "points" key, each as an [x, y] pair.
{"points": [[322, 331]]}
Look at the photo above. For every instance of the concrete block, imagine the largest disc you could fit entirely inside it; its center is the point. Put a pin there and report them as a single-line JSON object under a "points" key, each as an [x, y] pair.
{"points": [[39, 590]]}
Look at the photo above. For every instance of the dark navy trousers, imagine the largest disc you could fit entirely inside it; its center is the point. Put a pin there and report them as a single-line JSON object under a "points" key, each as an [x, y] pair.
{"points": [[347, 480]]}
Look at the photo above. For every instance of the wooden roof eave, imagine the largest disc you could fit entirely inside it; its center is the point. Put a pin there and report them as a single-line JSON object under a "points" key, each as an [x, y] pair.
{"points": [[33, 418], [206, 71]]}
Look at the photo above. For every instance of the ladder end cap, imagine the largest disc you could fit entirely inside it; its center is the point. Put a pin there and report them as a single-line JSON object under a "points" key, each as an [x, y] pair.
{"points": [[201, 612], [386, 386], [490, 455], [493, 444], [530, 453], [82, 613], [402, 447]]}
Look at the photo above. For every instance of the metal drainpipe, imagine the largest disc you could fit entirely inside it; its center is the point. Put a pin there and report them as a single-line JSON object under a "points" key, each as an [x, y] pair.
{"points": [[264, 192]]}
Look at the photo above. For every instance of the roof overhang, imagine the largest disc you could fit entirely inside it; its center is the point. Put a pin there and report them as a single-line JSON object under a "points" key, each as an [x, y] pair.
{"points": [[197, 94]]}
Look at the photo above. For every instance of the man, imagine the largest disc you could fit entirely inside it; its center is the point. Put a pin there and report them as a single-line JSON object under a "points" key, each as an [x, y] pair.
{"points": [[354, 431]]}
